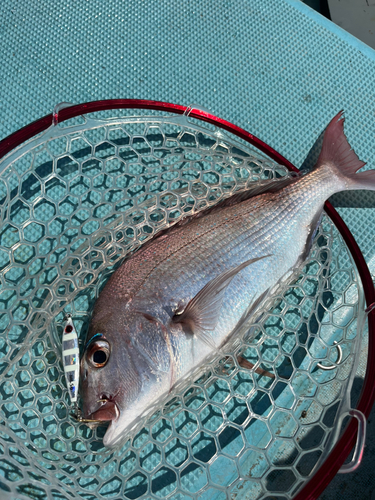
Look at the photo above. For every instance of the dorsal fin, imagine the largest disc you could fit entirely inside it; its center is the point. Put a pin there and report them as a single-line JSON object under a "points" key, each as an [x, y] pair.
{"points": [[264, 186]]}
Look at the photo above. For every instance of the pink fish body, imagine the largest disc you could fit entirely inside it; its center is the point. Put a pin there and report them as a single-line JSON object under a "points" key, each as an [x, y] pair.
{"points": [[186, 292]]}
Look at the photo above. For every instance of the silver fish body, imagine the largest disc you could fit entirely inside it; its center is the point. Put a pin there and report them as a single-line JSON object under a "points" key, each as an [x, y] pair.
{"points": [[183, 294]]}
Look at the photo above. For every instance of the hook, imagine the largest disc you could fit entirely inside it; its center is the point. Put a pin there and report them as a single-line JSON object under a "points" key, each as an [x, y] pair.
{"points": [[77, 415], [339, 359]]}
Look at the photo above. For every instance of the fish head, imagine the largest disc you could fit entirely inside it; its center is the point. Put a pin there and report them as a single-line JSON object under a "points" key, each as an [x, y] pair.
{"points": [[125, 365], [101, 393]]}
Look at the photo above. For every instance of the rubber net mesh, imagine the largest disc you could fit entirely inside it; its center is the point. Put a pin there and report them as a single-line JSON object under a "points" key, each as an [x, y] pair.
{"points": [[74, 202]]}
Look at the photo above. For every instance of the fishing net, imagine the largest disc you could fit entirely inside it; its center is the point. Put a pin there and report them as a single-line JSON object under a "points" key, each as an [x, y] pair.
{"points": [[74, 202]]}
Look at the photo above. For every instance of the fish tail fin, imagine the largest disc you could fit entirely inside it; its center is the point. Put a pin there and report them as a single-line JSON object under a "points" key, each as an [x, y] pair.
{"points": [[337, 152]]}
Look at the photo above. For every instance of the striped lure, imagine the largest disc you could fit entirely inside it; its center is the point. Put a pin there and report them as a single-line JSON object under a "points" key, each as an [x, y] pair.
{"points": [[70, 352]]}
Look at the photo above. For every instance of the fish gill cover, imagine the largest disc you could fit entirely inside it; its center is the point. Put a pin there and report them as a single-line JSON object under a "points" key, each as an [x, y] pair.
{"points": [[83, 196]]}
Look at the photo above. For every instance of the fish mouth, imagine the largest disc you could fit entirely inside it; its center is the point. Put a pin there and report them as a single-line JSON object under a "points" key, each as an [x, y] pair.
{"points": [[108, 412]]}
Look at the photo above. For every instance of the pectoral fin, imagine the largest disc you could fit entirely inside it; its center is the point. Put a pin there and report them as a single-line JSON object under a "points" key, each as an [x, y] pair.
{"points": [[202, 312]]}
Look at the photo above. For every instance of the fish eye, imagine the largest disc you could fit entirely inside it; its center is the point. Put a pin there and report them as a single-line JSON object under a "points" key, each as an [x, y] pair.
{"points": [[98, 353]]}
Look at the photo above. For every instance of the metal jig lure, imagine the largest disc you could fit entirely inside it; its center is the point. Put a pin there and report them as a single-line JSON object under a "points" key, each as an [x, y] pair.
{"points": [[70, 353]]}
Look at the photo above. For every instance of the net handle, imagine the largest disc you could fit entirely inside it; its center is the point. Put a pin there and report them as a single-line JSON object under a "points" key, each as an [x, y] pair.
{"points": [[360, 444], [316, 485]]}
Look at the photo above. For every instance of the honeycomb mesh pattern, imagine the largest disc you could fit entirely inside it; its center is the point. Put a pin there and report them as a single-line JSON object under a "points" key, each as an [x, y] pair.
{"points": [[82, 197]]}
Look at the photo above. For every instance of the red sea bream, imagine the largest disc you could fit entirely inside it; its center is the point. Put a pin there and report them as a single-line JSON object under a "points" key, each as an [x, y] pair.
{"points": [[187, 291]]}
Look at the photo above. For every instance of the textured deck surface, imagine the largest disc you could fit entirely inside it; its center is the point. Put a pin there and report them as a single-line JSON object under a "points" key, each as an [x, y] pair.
{"points": [[276, 68]]}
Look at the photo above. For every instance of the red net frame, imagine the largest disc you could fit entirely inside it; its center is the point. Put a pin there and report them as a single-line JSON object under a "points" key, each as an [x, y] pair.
{"points": [[328, 469]]}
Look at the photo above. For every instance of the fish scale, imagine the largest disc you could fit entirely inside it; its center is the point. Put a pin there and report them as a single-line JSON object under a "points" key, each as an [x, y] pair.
{"points": [[186, 292]]}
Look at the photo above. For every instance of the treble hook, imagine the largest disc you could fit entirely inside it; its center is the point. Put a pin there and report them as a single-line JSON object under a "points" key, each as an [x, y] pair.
{"points": [[339, 359], [77, 415]]}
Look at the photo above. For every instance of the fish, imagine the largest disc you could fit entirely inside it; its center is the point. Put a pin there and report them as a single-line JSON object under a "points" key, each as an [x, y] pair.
{"points": [[185, 293]]}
